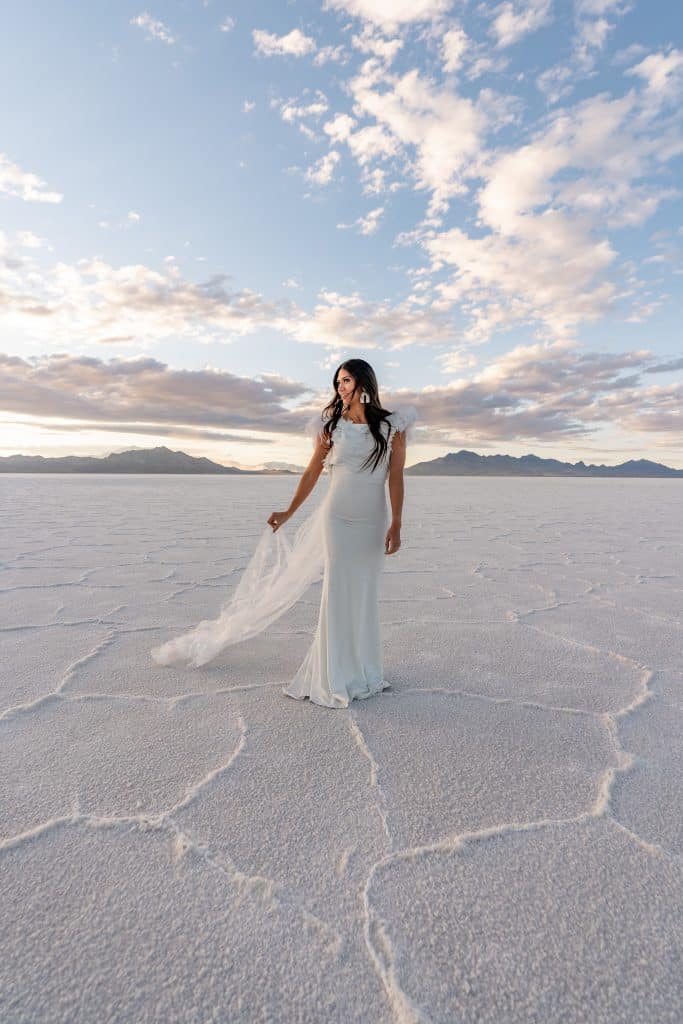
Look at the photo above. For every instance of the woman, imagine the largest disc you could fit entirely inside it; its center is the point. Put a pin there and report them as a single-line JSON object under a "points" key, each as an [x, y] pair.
{"points": [[362, 445]]}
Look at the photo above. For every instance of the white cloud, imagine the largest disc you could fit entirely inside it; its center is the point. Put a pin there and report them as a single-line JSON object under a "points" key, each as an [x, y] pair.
{"points": [[23, 184], [453, 49], [372, 142], [389, 14], [518, 182], [593, 34], [92, 303], [485, 64], [457, 360], [248, 106], [662, 73], [28, 240], [322, 171], [374, 182], [546, 260], [370, 41], [339, 128], [598, 8], [293, 112], [557, 82], [368, 224], [591, 31], [513, 21], [629, 53], [294, 44], [547, 274], [441, 127], [153, 28], [342, 322], [330, 54], [228, 24], [131, 218]]}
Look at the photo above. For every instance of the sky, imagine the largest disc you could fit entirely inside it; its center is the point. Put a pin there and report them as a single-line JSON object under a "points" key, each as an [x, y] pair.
{"points": [[206, 206]]}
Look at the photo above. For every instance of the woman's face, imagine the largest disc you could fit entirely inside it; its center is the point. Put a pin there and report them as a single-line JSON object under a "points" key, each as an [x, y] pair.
{"points": [[345, 385]]}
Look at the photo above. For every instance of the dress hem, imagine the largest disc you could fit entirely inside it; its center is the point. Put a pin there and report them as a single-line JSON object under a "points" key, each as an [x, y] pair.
{"points": [[383, 685]]}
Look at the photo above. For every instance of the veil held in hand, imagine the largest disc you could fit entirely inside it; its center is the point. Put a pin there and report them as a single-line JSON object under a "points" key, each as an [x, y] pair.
{"points": [[276, 577]]}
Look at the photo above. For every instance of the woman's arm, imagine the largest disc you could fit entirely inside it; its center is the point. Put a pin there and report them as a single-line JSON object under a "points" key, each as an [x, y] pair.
{"points": [[397, 460], [309, 479]]}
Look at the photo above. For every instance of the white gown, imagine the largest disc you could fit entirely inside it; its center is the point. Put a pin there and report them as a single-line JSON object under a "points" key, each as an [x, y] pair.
{"points": [[344, 540], [345, 660]]}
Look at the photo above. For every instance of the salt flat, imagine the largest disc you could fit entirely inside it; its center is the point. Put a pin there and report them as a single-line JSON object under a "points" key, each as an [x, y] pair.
{"points": [[498, 838]]}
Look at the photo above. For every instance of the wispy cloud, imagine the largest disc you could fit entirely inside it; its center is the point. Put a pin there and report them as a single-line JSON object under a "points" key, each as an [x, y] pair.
{"points": [[368, 224], [546, 259], [293, 44], [513, 21], [23, 184], [662, 73], [299, 112], [331, 54], [389, 14], [153, 28], [94, 303], [594, 21], [28, 240], [322, 172]]}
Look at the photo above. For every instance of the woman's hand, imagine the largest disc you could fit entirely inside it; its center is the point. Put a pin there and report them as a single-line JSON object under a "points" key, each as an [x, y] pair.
{"points": [[276, 519], [392, 541]]}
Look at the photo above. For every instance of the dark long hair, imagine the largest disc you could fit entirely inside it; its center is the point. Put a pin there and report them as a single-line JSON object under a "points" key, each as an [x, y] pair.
{"points": [[365, 379]]}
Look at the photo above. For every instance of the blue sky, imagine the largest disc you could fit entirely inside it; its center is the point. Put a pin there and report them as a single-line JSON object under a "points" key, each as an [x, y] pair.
{"points": [[206, 206]]}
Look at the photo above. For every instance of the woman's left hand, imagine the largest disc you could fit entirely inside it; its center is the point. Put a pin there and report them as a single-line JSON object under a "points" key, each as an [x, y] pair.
{"points": [[392, 541]]}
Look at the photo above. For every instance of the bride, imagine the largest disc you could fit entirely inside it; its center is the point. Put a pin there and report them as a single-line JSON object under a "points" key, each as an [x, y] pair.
{"points": [[363, 446]]}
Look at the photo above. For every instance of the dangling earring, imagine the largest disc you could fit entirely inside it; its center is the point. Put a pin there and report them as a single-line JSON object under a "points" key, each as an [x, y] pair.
{"points": [[364, 397]]}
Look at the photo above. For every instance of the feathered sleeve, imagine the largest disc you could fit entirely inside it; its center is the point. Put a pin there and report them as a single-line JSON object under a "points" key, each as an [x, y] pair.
{"points": [[402, 419], [314, 430]]}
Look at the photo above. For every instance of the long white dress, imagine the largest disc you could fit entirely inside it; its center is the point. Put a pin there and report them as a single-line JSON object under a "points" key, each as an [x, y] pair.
{"points": [[345, 660], [342, 540]]}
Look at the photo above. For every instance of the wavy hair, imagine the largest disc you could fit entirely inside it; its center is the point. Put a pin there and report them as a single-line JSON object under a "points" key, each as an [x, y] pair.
{"points": [[365, 379]]}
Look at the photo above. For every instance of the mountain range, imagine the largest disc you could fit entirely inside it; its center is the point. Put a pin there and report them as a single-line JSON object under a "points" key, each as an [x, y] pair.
{"points": [[462, 463], [466, 463], [142, 460]]}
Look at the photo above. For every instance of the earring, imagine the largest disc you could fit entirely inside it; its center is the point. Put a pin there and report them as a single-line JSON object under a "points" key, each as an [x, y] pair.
{"points": [[364, 397]]}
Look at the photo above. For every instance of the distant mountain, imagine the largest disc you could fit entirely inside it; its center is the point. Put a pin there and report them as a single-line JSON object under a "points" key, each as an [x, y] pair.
{"points": [[147, 460], [289, 467], [464, 463]]}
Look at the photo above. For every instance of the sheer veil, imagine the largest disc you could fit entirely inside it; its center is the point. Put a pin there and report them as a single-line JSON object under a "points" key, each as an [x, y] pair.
{"points": [[278, 574]]}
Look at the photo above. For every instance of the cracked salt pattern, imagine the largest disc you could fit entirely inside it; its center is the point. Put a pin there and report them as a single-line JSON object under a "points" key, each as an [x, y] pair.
{"points": [[496, 838]]}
